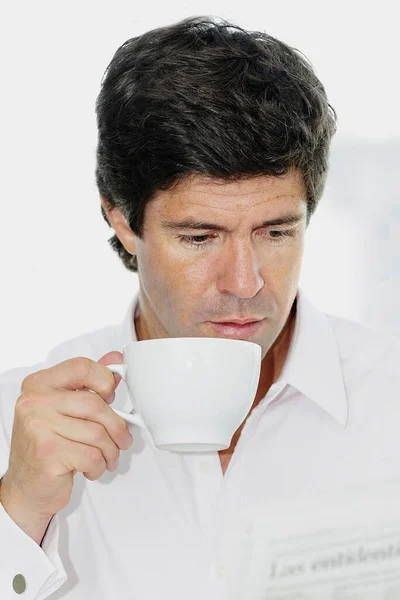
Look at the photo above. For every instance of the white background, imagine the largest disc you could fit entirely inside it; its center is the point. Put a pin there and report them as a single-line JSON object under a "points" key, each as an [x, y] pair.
{"points": [[59, 278]]}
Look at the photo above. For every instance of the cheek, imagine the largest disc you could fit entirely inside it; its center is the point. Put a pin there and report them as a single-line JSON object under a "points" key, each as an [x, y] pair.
{"points": [[282, 264], [190, 268], [169, 270]]}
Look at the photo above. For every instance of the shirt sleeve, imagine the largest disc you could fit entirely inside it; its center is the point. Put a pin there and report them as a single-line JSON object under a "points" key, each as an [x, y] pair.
{"points": [[40, 566]]}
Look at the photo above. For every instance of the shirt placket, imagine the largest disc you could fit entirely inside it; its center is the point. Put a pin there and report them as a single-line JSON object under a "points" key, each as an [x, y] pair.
{"points": [[234, 542]]}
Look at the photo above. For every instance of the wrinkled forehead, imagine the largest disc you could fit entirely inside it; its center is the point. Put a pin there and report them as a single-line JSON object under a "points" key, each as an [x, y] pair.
{"points": [[197, 192]]}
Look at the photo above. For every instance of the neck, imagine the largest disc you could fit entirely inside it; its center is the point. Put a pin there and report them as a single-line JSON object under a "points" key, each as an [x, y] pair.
{"points": [[274, 360]]}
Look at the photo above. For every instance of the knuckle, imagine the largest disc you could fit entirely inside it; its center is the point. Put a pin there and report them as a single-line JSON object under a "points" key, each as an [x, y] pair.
{"points": [[26, 382], [106, 384], [81, 367], [93, 455], [24, 402], [30, 381], [29, 402], [121, 427], [122, 436]]}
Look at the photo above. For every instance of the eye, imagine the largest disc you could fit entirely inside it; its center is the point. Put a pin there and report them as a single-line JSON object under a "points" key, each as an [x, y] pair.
{"points": [[282, 233], [196, 240], [201, 241], [277, 236]]}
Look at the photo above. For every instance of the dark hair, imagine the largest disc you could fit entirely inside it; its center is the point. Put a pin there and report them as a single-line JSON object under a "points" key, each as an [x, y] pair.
{"points": [[207, 97]]}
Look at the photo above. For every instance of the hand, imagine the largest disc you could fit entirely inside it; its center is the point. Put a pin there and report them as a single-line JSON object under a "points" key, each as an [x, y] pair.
{"points": [[61, 427]]}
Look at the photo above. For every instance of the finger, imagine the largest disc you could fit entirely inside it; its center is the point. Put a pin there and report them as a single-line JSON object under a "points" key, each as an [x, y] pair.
{"points": [[72, 374], [90, 434], [109, 359], [89, 406], [83, 459]]}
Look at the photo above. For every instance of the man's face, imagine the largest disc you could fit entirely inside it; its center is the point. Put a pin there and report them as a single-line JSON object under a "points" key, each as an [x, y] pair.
{"points": [[208, 256]]}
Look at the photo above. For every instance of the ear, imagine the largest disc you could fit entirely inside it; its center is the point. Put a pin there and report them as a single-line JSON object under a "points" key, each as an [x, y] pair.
{"points": [[120, 225]]}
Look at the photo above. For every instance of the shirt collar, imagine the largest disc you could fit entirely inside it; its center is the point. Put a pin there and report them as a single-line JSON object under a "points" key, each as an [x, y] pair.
{"points": [[128, 331], [312, 365]]}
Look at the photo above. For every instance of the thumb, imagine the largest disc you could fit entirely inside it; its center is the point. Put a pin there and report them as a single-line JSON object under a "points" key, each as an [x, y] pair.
{"points": [[112, 358]]}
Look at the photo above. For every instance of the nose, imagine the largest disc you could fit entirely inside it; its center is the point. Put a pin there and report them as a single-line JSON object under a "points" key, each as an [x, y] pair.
{"points": [[239, 272]]}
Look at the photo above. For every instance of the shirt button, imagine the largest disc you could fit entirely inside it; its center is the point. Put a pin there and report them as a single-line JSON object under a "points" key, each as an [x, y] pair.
{"points": [[219, 572], [19, 584]]}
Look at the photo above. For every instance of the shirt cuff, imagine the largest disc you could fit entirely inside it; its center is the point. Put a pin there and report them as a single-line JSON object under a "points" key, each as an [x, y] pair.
{"points": [[40, 566]]}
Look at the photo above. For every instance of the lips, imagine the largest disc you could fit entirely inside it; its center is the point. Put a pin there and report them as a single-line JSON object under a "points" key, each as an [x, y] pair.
{"points": [[241, 330], [239, 321]]}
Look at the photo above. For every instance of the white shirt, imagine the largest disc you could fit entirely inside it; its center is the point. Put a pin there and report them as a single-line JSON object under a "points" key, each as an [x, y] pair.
{"points": [[168, 525]]}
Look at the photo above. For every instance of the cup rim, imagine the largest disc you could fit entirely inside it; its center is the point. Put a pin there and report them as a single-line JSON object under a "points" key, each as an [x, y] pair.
{"points": [[181, 339]]}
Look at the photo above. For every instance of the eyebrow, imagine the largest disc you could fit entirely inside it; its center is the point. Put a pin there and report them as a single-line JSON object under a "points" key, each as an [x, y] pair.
{"points": [[189, 223]]}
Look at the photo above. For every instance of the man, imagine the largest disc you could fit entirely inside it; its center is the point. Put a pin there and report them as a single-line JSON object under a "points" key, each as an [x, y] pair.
{"points": [[212, 156]]}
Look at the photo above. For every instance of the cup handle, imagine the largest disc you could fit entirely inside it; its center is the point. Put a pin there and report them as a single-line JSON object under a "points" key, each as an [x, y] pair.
{"points": [[135, 419]]}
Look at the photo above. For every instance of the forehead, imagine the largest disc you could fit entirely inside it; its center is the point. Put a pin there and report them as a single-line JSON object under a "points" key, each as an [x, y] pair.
{"points": [[197, 191]]}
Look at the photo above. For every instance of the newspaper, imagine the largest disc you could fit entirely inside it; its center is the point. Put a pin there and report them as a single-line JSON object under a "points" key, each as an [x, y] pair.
{"points": [[342, 544], [336, 564]]}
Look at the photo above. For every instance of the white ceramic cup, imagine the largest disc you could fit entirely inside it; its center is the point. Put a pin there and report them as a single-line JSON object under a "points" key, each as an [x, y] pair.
{"points": [[191, 394]]}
